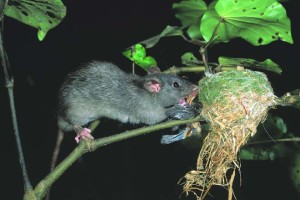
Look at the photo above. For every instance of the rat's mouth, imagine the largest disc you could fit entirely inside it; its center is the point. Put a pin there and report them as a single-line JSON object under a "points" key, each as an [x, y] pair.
{"points": [[195, 92], [189, 99]]}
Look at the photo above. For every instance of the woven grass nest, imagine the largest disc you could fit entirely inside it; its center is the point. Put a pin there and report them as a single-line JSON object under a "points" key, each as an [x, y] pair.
{"points": [[234, 103]]}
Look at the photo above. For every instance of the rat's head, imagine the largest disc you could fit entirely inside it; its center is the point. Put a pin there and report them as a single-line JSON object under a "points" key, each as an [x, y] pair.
{"points": [[169, 89]]}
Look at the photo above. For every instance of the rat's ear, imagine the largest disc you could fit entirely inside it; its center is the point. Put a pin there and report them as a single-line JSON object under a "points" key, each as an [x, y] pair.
{"points": [[153, 85], [153, 70]]}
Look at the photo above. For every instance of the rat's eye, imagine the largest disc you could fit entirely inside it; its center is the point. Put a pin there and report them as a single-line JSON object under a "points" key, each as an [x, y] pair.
{"points": [[176, 84]]}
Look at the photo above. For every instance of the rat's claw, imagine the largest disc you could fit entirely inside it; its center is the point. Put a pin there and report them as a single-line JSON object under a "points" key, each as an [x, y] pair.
{"points": [[85, 134]]}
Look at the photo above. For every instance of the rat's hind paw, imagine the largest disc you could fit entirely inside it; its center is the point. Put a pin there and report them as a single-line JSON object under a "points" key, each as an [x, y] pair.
{"points": [[84, 133]]}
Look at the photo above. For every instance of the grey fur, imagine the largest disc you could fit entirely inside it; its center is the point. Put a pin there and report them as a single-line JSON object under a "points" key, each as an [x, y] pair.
{"points": [[101, 89]]}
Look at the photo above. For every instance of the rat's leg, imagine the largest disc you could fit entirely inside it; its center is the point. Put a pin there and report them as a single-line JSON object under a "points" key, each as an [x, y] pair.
{"points": [[83, 133]]}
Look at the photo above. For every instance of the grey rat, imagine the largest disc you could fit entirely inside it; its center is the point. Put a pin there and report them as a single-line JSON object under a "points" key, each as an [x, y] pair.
{"points": [[101, 89]]}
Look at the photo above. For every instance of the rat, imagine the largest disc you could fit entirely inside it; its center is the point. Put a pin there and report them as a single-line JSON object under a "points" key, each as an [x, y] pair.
{"points": [[101, 89]]}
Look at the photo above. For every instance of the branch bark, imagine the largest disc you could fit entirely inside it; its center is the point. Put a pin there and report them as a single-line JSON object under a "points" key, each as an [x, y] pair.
{"points": [[42, 187], [9, 84]]}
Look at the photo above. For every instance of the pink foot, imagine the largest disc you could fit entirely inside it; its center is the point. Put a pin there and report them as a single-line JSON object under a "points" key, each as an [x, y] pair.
{"points": [[85, 134]]}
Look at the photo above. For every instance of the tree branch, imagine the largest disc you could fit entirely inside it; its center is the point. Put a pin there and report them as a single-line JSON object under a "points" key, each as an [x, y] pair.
{"points": [[9, 84], [194, 69], [87, 146], [178, 70]]}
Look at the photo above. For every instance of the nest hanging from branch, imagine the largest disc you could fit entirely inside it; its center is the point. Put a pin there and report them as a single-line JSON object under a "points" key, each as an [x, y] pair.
{"points": [[234, 103]]}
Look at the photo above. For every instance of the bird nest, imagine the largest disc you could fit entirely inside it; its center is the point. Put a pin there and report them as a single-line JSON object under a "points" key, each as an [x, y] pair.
{"points": [[234, 103]]}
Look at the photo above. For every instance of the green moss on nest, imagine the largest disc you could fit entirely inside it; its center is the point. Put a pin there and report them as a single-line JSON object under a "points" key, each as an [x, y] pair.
{"points": [[217, 87], [233, 104]]}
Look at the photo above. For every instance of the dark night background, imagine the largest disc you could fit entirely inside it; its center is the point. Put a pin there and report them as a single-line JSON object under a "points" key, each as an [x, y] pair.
{"points": [[138, 168]]}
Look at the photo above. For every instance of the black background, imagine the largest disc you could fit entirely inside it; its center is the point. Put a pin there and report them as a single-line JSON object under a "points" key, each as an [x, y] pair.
{"points": [[138, 168]]}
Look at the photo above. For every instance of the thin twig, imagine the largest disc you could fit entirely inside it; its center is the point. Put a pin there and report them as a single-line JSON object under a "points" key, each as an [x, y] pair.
{"points": [[192, 69], [178, 70], [9, 84], [203, 50], [294, 139]]}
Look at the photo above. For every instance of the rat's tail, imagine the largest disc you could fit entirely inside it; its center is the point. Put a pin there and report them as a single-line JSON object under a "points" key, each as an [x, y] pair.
{"points": [[59, 139]]}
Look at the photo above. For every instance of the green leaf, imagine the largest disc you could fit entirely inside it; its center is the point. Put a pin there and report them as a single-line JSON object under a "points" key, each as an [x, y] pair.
{"points": [[259, 22], [167, 32], [147, 62], [273, 152], [273, 128], [40, 14], [257, 154], [189, 11], [127, 54], [137, 54], [189, 59], [294, 169], [268, 64], [194, 31], [279, 124]]}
